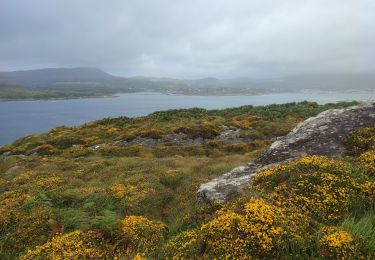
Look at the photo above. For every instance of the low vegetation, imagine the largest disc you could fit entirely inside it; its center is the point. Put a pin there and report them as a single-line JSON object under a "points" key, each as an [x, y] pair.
{"points": [[60, 198], [256, 124], [12, 92]]}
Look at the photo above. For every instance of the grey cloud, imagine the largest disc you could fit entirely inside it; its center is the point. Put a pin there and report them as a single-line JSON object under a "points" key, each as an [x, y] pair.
{"points": [[190, 39]]}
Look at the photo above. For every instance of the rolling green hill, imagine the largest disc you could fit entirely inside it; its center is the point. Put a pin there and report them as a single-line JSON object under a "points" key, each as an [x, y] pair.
{"points": [[12, 92]]}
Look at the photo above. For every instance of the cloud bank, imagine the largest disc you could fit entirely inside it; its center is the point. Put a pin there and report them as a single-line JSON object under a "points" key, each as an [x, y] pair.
{"points": [[190, 39]]}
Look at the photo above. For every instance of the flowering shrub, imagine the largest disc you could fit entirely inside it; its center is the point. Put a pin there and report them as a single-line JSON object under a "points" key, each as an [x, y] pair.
{"points": [[77, 151], [19, 229], [336, 243], [183, 246], [74, 245], [259, 230], [245, 121], [361, 140], [131, 196], [118, 190], [142, 234], [367, 162], [369, 192], [111, 150], [316, 185]]}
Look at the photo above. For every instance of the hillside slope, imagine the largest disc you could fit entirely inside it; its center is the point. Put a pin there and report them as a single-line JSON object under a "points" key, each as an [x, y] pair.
{"points": [[123, 187], [321, 135], [93, 82], [49, 77]]}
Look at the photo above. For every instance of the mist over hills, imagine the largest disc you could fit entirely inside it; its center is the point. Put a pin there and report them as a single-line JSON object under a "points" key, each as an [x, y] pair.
{"points": [[84, 82], [54, 76]]}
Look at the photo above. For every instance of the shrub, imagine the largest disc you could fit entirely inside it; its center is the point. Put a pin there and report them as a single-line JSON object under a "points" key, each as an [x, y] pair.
{"points": [[77, 151], [111, 150], [151, 133], [142, 234], [319, 186], [206, 131], [360, 141], [20, 230], [367, 162], [74, 245], [6, 148], [237, 148], [368, 188], [258, 230], [65, 140], [336, 243], [119, 190], [171, 178], [183, 246]]}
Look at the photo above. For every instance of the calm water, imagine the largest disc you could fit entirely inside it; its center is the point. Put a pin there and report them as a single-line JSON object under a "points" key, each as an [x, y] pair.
{"points": [[19, 118]]}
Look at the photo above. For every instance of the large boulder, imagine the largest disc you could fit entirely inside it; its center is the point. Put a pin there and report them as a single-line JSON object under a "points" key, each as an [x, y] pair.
{"points": [[323, 134]]}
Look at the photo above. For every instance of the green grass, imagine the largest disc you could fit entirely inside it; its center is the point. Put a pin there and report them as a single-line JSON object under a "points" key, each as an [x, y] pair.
{"points": [[363, 231], [11, 92]]}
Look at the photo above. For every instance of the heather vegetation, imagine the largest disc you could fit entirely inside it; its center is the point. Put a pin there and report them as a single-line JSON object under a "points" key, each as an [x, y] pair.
{"points": [[256, 124], [62, 197]]}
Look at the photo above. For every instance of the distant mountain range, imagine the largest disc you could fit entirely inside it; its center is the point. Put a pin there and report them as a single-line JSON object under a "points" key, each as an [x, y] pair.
{"points": [[96, 82]]}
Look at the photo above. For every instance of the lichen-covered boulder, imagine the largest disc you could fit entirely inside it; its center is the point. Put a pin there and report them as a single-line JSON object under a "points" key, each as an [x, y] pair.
{"points": [[323, 134]]}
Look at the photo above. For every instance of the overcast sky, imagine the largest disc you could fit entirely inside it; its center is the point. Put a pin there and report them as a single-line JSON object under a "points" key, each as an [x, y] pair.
{"points": [[190, 39]]}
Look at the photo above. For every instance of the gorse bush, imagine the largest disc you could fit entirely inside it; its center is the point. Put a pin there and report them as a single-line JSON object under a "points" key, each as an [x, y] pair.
{"points": [[321, 187], [74, 245], [367, 162], [187, 244], [360, 141], [336, 243], [298, 197], [142, 235], [258, 230]]}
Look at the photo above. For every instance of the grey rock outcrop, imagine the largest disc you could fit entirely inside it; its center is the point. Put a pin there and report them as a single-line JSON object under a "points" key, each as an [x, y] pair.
{"points": [[228, 136], [14, 171], [5, 154], [323, 134]]}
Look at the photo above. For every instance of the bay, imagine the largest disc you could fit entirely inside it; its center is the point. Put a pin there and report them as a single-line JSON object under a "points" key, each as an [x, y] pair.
{"points": [[20, 118]]}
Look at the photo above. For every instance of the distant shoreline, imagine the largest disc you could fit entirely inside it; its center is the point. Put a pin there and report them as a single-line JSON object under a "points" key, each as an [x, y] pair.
{"points": [[53, 99], [116, 95]]}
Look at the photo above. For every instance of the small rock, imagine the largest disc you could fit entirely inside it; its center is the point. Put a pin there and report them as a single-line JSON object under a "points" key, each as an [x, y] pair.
{"points": [[14, 171], [6, 153]]}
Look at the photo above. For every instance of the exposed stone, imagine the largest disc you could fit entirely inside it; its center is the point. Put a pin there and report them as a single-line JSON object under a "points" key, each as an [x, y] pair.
{"points": [[320, 135], [14, 171], [6, 153], [231, 135], [181, 139], [227, 136]]}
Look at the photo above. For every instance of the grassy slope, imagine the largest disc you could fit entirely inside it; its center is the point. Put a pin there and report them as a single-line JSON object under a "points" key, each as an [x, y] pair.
{"points": [[13, 92], [72, 187], [10, 92]]}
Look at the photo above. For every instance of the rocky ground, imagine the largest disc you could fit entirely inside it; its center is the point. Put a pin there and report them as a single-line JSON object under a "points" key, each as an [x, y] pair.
{"points": [[320, 135], [227, 136]]}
